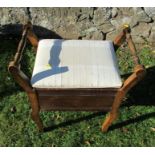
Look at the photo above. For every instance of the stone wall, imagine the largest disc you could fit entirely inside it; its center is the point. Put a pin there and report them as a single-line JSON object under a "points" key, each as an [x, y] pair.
{"points": [[82, 23]]}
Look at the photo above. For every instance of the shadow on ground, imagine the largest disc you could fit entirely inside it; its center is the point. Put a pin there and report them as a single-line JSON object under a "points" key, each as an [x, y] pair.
{"points": [[97, 114], [131, 121], [74, 121]]}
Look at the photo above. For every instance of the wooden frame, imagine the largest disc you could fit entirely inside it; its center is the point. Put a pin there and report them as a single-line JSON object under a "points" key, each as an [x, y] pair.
{"points": [[75, 99]]}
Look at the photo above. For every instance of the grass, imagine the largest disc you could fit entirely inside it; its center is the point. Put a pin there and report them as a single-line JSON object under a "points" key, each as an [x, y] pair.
{"points": [[134, 127]]}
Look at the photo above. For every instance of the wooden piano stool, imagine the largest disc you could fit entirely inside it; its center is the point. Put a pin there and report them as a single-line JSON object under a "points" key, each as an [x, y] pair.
{"points": [[75, 75]]}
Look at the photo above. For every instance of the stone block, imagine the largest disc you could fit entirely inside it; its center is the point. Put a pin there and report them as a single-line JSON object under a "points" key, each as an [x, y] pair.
{"points": [[101, 15], [141, 16], [150, 11], [143, 29]]}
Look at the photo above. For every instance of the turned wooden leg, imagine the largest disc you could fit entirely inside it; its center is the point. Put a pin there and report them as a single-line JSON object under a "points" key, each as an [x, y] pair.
{"points": [[36, 118], [110, 118], [35, 110], [114, 112]]}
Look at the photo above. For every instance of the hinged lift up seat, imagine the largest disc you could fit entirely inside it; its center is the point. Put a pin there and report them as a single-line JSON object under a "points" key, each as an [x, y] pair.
{"points": [[75, 75]]}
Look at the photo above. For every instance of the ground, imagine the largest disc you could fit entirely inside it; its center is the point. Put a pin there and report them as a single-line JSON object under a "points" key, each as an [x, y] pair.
{"points": [[134, 127]]}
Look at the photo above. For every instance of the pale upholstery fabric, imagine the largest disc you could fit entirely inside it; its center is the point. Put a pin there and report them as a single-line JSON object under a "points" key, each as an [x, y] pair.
{"points": [[75, 64]]}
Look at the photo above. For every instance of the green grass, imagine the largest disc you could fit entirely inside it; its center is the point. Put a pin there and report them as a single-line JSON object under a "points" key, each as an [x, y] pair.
{"points": [[134, 127]]}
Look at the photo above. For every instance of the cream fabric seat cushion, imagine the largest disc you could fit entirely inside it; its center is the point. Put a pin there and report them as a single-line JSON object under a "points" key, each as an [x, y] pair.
{"points": [[75, 64]]}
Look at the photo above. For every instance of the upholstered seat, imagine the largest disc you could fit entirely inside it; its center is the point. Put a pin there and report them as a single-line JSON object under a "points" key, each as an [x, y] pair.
{"points": [[75, 64]]}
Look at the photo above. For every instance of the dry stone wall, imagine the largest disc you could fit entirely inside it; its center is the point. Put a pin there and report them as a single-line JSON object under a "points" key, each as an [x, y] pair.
{"points": [[82, 23]]}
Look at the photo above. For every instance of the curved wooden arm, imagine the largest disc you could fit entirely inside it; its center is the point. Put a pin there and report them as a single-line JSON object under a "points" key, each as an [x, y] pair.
{"points": [[139, 70], [14, 66], [20, 77], [131, 81], [138, 73], [134, 78]]}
